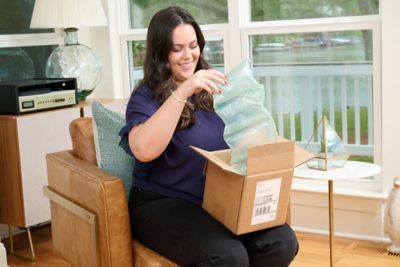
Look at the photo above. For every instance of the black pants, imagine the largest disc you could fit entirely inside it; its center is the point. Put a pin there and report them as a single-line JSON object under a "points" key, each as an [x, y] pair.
{"points": [[186, 234]]}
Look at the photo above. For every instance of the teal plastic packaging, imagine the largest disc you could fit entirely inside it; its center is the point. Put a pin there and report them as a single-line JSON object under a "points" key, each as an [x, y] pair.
{"points": [[247, 121]]}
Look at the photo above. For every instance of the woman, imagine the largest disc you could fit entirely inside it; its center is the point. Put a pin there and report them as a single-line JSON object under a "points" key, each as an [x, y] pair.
{"points": [[170, 110]]}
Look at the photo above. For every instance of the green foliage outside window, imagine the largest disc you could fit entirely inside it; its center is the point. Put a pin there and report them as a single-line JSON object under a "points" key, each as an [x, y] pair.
{"points": [[205, 12], [266, 10]]}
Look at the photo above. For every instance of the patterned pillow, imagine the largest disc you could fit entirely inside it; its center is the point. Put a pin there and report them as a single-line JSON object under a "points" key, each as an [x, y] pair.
{"points": [[110, 156]]}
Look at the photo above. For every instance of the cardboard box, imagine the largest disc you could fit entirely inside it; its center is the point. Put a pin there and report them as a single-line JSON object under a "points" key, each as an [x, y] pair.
{"points": [[259, 199]]}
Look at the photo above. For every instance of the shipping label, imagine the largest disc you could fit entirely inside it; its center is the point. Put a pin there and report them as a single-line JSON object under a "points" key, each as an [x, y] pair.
{"points": [[266, 201]]}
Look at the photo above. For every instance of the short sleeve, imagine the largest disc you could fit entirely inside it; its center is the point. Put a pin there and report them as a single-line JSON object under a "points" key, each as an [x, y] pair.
{"points": [[140, 108]]}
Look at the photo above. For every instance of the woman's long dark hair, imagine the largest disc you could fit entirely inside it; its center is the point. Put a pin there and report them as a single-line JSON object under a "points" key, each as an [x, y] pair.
{"points": [[157, 73]]}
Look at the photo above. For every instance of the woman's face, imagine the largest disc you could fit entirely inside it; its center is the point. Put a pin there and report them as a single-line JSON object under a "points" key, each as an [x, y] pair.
{"points": [[185, 52]]}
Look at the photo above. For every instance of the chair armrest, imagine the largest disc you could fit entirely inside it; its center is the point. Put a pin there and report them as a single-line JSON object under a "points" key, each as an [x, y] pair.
{"points": [[99, 193]]}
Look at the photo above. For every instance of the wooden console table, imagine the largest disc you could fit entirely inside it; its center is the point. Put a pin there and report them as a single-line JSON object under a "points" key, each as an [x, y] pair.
{"points": [[24, 142]]}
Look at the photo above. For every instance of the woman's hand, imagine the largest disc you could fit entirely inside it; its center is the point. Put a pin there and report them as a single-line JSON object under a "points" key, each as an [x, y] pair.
{"points": [[206, 80]]}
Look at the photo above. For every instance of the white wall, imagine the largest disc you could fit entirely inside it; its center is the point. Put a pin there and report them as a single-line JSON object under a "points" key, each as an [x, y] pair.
{"points": [[105, 42], [102, 49], [391, 87]]}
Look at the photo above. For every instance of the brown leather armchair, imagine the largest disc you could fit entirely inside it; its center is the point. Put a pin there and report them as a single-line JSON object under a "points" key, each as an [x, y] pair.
{"points": [[89, 212]]}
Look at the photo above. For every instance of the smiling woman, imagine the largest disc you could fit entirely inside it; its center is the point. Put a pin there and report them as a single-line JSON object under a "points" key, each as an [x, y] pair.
{"points": [[170, 110]]}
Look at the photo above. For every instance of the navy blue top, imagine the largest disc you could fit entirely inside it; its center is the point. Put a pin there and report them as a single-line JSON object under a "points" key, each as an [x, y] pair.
{"points": [[178, 171]]}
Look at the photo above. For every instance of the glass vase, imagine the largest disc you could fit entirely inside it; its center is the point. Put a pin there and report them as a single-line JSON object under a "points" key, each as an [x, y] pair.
{"points": [[74, 60]]}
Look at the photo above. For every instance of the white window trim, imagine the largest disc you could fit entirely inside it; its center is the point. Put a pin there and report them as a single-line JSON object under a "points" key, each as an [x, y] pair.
{"points": [[31, 39]]}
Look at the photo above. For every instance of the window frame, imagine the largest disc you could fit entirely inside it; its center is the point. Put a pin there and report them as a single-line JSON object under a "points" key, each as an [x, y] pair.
{"points": [[369, 22], [31, 39], [235, 35]]}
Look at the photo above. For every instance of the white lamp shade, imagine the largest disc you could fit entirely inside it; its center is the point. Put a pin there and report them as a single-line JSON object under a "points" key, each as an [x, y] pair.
{"points": [[68, 14]]}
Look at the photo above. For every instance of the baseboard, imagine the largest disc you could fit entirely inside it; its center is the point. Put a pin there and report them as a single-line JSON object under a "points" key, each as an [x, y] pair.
{"points": [[355, 217], [342, 235]]}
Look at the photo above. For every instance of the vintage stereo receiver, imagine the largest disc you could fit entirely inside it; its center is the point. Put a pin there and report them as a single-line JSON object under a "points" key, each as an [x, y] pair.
{"points": [[30, 95]]}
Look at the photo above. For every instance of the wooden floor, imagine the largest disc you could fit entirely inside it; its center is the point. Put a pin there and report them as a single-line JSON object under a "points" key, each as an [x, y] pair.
{"points": [[314, 252]]}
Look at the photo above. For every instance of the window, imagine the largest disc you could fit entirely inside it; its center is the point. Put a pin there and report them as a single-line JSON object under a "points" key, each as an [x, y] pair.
{"points": [[207, 12], [310, 62], [136, 50], [214, 52], [23, 51], [310, 74]]}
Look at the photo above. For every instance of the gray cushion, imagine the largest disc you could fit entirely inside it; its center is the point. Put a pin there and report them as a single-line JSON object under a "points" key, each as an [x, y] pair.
{"points": [[110, 156]]}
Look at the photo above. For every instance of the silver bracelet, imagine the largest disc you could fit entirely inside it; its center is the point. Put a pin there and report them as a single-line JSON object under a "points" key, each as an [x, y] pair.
{"points": [[177, 98]]}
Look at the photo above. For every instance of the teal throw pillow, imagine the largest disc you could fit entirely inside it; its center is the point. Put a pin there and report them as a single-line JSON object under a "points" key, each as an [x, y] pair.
{"points": [[110, 156]]}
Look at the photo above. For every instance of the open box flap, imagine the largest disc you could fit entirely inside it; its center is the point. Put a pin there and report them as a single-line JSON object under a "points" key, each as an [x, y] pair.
{"points": [[300, 154], [283, 154], [220, 158], [270, 157]]}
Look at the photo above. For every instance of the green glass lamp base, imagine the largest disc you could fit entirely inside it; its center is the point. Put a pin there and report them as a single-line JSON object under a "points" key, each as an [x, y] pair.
{"points": [[82, 94], [75, 60]]}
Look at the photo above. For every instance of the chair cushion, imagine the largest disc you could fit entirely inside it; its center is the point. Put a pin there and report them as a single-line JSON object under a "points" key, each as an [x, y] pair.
{"points": [[110, 156], [145, 257]]}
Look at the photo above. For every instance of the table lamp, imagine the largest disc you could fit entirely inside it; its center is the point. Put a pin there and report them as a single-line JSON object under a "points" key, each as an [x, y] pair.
{"points": [[71, 60], [329, 150]]}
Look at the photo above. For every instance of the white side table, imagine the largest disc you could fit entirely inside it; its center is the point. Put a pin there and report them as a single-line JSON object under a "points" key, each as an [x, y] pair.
{"points": [[351, 170]]}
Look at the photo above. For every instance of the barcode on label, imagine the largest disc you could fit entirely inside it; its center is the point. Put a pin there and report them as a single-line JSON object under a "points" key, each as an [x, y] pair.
{"points": [[266, 201], [261, 211]]}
